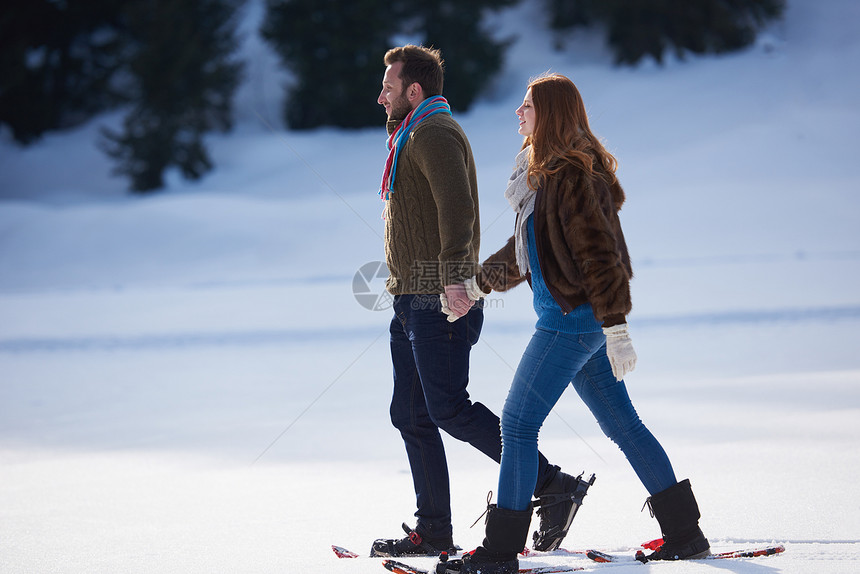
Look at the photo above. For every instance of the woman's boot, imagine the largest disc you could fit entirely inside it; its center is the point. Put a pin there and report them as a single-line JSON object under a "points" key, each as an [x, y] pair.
{"points": [[504, 539], [678, 514]]}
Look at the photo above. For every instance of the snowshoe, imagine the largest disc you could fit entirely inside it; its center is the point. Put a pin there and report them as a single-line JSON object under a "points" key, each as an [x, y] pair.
{"points": [[413, 545]]}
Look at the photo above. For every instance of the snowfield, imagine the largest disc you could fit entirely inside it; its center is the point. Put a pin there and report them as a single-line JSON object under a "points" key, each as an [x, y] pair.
{"points": [[189, 385]]}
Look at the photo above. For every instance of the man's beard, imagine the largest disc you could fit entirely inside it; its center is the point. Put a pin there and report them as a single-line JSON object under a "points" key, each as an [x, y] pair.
{"points": [[400, 108]]}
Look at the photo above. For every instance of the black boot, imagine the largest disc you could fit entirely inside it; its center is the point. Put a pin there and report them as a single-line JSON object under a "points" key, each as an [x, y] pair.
{"points": [[504, 539], [558, 501], [678, 514], [413, 545]]}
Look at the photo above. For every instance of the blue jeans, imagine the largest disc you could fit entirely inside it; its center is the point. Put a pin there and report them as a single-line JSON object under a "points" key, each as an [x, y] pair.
{"points": [[551, 361], [431, 372]]}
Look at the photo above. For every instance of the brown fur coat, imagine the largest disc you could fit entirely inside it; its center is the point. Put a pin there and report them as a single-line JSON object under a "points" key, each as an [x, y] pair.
{"points": [[581, 248]]}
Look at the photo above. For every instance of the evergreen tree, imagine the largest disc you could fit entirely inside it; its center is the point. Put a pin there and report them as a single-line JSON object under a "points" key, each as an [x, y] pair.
{"points": [[639, 28], [472, 56], [57, 60], [334, 50], [182, 82]]}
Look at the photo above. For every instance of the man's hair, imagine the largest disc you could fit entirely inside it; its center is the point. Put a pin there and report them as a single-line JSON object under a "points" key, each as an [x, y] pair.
{"points": [[420, 64]]}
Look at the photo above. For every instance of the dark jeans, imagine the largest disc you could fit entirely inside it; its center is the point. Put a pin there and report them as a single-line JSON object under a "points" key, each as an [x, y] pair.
{"points": [[431, 372]]}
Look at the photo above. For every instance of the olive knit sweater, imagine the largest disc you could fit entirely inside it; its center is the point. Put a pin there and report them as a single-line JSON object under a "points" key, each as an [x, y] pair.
{"points": [[432, 228]]}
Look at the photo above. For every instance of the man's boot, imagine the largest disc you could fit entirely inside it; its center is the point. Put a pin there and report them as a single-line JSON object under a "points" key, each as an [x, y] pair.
{"points": [[504, 538], [558, 503], [413, 545], [678, 514]]}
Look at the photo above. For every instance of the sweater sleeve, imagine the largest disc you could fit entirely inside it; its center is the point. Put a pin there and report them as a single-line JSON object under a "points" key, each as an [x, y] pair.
{"points": [[442, 157]]}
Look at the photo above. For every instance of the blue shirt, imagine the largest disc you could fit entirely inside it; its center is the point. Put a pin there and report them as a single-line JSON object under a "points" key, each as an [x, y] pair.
{"points": [[550, 315]]}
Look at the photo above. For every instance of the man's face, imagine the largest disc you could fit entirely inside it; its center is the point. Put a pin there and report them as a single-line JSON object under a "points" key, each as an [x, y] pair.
{"points": [[393, 95]]}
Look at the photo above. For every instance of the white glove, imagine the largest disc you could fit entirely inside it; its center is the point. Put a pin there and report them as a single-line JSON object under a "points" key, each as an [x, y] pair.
{"points": [[472, 290], [456, 302], [447, 310], [619, 350]]}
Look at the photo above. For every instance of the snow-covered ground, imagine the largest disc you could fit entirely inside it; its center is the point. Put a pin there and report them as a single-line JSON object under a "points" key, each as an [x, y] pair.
{"points": [[188, 384]]}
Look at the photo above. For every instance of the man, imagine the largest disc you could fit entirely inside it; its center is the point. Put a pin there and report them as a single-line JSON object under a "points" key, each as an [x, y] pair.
{"points": [[432, 239]]}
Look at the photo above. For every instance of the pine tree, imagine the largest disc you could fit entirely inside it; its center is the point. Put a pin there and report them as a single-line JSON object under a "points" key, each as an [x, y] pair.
{"points": [[472, 56], [334, 50], [640, 28], [182, 83], [57, 62]]}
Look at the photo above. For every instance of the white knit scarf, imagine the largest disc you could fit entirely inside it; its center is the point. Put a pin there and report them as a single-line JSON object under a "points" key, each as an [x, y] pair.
{"points": [[522, 199]]}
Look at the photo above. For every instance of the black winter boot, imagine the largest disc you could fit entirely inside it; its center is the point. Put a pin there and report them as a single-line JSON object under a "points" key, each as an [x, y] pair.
{"points": [[558, 501], [413, 545], [504, 539], [678, 514]]}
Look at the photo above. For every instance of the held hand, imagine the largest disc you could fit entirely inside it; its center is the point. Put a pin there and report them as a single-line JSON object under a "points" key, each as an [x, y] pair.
{"points": [[447, 310], [619, 350], [458, 301], [473, 290]]}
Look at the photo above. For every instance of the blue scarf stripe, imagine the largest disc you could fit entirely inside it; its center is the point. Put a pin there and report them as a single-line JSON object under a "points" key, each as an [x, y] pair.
{"points": [[427, 108]]}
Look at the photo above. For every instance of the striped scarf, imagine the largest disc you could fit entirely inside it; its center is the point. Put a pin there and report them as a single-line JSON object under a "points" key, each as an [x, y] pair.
{"points": [[398, 137]]}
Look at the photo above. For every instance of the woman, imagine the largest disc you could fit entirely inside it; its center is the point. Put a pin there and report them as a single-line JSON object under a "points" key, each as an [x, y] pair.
{"points": [[568, 244]]}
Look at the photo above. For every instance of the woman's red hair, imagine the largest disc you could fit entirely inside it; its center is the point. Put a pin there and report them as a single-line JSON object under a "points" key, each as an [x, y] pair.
{"points": [[562, 134]]}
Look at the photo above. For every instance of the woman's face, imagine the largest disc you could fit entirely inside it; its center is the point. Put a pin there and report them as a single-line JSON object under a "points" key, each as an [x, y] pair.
{"points": [[526, 115]]}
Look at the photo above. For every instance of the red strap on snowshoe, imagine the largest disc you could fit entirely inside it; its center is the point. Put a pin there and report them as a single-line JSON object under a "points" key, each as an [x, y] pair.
{"points": [[653, 545]]}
